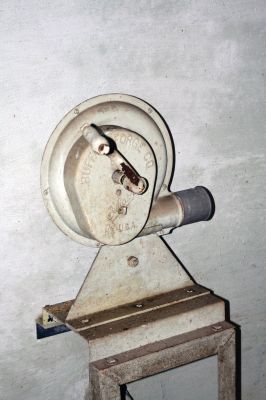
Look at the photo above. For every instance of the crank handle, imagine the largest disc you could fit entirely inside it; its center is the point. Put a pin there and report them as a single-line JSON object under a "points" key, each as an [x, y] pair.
{"points": [[123, 172]]}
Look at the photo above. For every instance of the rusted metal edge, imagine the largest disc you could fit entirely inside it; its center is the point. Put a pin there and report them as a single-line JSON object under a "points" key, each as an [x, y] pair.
{"points": [[108, 374], [220, 337], [138, 307], [60, 311], [133, 321]]}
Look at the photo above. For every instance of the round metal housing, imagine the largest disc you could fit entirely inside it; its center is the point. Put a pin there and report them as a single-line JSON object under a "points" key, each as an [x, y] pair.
{"points": [[77, 186]]}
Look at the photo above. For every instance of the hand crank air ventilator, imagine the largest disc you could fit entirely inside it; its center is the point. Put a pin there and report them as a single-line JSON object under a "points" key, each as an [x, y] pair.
{"points": [[105, 180]]}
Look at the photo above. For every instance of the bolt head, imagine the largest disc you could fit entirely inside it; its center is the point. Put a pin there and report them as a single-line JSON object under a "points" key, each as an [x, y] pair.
{"points": [[111, 361], [217, 328], [132, 261], [190, 290], [122, 210]]}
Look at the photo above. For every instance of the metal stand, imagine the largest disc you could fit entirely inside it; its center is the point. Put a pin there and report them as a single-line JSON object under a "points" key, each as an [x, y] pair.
{"points": [[107, 375], [157, 333]]}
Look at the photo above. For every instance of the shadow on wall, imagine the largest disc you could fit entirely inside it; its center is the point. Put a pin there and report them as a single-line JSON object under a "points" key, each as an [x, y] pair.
{"points": [[125, 395]]}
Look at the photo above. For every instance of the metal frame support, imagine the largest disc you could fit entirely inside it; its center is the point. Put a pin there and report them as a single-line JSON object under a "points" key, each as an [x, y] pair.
{"points": [[107, 375]]}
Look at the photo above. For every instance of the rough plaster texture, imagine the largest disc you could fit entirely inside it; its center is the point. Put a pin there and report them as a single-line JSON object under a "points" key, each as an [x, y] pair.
{"points": [[202, 65]]}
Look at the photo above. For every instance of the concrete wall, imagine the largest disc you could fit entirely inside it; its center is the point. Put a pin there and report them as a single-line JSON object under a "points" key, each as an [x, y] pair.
{"points": [[202, 65]]}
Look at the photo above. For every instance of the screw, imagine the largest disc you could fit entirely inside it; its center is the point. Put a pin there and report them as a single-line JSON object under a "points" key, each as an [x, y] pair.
{"points": [[84, 321], [122, 210], [118, 192], [76, 111], [139, 305], [216, 328], [190, 290], [132, 261]]}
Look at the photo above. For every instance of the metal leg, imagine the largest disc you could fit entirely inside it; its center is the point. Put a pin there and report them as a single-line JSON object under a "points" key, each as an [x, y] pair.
{"points": [[107, 375], [102, 387], [227, 369]]}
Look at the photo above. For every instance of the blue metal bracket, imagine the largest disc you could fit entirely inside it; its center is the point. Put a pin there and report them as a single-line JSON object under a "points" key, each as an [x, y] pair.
{"points": [[42, 332]]}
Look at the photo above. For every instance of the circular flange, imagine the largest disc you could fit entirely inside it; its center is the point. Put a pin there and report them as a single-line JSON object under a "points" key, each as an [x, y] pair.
{"points": [[120, 110]]}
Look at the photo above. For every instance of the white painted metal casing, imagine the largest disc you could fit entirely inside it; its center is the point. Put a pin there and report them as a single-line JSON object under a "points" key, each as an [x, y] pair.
{"points": [[76, 181]]}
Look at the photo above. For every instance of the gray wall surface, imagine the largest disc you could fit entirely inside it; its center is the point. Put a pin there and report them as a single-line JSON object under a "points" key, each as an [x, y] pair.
{"points": [[202, 64]]}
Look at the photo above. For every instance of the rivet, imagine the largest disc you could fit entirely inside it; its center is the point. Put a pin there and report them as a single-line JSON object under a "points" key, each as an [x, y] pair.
{"points": [[139, 305], [132, 261], [111, 361], [76, 111], [216, 328], [122, 210], [190, 290]]}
